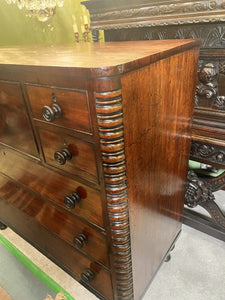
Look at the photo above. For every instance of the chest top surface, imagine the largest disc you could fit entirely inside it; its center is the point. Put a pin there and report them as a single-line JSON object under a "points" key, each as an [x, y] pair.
{"points": [[90, 55]]}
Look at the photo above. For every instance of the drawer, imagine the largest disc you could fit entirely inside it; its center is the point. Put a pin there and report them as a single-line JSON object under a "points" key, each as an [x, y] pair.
{"points": [[71, 260], [52, 185], [62, 107], [70, 229], [15, 129], [78, 160]]}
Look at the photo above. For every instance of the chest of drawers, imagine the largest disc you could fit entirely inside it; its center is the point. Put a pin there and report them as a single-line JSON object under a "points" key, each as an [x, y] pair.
{"points": [[93, 155]]}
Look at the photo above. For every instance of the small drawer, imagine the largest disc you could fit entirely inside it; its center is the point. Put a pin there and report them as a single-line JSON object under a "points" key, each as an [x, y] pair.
{"points": [[69, 154], [15, 128], [54, 186], [62, 107]]}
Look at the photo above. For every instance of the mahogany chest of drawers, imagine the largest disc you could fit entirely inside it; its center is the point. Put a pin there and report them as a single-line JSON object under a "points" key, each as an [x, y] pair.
{"points": [[94, 148]]}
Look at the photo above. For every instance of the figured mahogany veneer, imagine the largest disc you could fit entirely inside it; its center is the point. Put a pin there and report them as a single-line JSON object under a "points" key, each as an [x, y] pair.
{"points": [[14, 123], [73, 104], [126, 20], [93, 160], [81, 154]]}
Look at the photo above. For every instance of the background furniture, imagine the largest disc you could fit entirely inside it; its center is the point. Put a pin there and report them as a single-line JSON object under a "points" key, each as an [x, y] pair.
{"points": [[125, 20], [76, 180]]}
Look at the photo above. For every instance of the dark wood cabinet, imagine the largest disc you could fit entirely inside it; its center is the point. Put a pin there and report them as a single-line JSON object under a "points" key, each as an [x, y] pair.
{"points": [[125, 20], [94, 151]]}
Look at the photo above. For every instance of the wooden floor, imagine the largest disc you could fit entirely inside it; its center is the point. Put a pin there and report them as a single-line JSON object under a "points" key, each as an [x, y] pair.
{"points": [[4, 295]]}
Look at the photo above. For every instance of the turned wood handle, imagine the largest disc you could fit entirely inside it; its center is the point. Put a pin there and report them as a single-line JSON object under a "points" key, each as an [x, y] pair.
{"points": [[50, 113], [71, 200], [80, 240], [62, 156], [87, 276]]}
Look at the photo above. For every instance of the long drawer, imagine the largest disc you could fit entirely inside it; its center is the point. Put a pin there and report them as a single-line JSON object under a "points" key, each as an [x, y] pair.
{"points": [[52, 185], [75, 232], [79, 266]]}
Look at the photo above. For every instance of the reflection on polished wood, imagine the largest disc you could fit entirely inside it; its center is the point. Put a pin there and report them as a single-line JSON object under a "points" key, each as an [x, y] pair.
{"points": [[91, 55], [104, 192], [126, 20]]}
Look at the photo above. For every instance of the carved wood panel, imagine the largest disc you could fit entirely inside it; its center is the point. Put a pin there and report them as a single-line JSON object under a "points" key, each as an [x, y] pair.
{"points": [[212, 35]]}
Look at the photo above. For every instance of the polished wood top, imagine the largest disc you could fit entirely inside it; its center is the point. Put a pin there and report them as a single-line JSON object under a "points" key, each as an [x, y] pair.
{"points": [[89, 55]]}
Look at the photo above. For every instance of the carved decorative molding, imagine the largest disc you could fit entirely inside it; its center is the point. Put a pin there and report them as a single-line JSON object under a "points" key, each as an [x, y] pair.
{"points": [[200, 192], [197, 191], [110, 124], [217, 183], [206, 87], [211, 153], [220, 102], [125, 14], [208, 84], [222, 67], [212, 36]]}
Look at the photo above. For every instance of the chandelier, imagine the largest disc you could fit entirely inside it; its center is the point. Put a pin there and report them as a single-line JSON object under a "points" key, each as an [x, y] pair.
{"points": [[40, 9]]}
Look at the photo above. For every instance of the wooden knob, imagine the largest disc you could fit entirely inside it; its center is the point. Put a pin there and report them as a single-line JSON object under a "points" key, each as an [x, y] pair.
{"points": [[80, 240], [71, 200], [87, 276], [62, 156], [50, 113]]}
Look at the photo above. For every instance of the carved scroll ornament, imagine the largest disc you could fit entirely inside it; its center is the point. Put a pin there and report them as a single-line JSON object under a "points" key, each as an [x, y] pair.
{"points": [[206, 87], [199, 192], [122, 14], [209, 152]]}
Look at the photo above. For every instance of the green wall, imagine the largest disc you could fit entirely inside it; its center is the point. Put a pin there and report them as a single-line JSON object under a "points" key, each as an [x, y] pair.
{"points": [[16, 28]]}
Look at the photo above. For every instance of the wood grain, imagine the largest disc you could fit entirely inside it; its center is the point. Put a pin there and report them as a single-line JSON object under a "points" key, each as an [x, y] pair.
{"points": [[157, 143], [15, 128], [51, 185], [83, 161], [92, 55], [54, 247], [120, 155], [74, 105]]}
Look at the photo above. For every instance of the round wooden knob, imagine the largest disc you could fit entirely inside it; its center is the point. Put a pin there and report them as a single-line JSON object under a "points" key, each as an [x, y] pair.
{"points": [[87, 276], [62, 156], [71, 200], [49, 113], [80, 240]]}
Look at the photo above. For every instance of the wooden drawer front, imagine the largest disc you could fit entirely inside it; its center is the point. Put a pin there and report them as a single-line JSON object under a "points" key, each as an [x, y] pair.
{"points": [[15, 129], [66, 226], [52, 185], [73, 104], [61, 252], [82, 162]]}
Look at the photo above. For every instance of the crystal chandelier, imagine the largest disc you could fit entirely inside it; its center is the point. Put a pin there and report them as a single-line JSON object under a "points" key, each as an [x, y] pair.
{"points": [[41, 9]]}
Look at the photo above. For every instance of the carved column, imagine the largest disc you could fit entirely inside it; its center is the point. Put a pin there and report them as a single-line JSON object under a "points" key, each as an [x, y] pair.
{"points": [[110, 124]]}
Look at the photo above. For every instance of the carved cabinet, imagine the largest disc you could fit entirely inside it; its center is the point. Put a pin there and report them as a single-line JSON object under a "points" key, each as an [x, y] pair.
{"points": [[76, 180], [124, 20]]}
